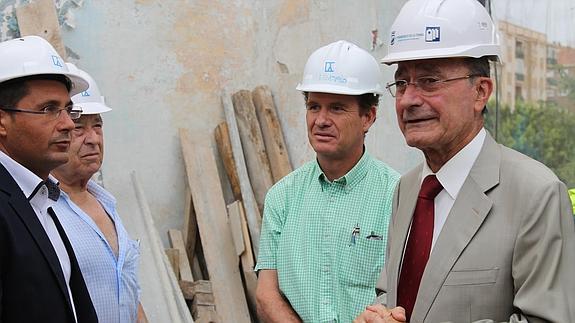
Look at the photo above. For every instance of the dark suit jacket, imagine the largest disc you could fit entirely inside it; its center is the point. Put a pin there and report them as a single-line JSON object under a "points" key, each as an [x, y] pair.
{"points": [[506, 251], [32, 285]]}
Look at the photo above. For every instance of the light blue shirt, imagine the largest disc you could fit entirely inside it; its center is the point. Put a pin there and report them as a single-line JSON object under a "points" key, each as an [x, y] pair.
{"points": [[112, 282]]}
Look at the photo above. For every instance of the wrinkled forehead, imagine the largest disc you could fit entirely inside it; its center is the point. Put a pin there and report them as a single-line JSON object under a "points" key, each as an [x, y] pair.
{"points": [[89, 118], [437, 66]]}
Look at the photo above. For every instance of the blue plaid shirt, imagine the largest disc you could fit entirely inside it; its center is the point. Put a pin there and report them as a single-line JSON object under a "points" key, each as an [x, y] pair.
{"points": [[112, 283]]}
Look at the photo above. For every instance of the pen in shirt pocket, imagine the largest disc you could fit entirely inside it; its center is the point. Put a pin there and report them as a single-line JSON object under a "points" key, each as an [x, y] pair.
{"points": [[354, 235], [373, 236]]}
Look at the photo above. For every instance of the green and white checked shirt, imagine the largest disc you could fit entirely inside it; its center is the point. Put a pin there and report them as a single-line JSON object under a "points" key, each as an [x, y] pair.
{"points": [[327, 240]]}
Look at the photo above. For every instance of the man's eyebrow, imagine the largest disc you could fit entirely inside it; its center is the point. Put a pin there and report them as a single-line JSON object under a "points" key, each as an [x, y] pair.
{"points": [[421, 68], [46, 103], [428, 68]]}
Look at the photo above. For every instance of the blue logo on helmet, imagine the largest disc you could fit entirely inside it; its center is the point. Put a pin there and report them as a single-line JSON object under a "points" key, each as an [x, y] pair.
{"points": [[85, 93], [329, 67], [56, 61], [432, 34], [392, 38]]}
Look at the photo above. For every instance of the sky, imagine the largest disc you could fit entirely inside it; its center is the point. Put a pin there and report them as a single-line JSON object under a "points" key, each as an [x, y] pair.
{"points": [[556, 18]]}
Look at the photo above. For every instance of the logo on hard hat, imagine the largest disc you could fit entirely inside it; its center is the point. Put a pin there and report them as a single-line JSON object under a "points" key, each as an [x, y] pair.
{"points": [[432, 34], [56, 61], [329, 67], [392, 41], [85, 93]]}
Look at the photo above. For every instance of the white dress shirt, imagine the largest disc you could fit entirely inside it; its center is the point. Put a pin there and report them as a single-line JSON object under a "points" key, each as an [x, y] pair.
{"points": [[452, 175]]}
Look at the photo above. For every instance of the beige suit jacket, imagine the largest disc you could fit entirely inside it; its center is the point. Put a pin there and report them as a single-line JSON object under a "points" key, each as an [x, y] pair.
{"points": [[506, 251]]}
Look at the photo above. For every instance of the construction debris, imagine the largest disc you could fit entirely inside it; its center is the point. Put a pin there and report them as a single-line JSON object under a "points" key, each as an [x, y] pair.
{"points": [[222, 288]]}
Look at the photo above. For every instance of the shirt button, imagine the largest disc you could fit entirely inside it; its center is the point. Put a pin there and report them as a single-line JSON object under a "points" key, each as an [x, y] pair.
{"points": [[325, 269], [325, 302]]}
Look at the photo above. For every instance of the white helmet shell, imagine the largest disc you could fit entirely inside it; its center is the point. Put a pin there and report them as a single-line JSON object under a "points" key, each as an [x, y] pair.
{"points": [[91, 101], [426, 29], [341, 68], [33, 55]]}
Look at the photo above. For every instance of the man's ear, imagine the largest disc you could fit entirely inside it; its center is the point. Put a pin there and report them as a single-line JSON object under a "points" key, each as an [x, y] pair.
{"points": [[369, 118], [484, 88], [3, 122]]}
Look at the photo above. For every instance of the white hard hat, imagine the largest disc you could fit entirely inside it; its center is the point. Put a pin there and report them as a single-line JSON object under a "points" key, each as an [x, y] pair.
{"points": [[442, 28], [341, 68], [90, 100], [33, 55]]}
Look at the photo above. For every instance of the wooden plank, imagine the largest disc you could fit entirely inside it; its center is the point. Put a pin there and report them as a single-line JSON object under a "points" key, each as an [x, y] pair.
{"points": [[174, 258], [236, 209], [39, 18], [214, 230], [222, 136], [191, 236], [177, 242], [272, 132], [168, 292], [190, 232], [191, 289], [253, 145], [237, 234], [202, 299], [205, 314], [253, 214]]}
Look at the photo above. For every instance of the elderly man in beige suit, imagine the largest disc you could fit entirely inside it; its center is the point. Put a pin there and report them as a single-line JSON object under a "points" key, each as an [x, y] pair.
{"points": [[479, 232]]}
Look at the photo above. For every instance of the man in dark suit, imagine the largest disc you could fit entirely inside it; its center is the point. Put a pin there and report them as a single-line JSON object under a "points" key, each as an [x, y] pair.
{"points": [[40, 280]]}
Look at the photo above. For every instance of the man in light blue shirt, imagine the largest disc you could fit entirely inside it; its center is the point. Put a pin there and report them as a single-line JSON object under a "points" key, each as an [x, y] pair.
{"points": [[107, 256]]}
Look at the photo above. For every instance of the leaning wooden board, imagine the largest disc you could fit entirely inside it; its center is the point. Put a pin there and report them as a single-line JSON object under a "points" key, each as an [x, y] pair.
{"points": [[236, 210], [40, 18], [272, 132], [215, 233], [253, 214], [257, 162]]}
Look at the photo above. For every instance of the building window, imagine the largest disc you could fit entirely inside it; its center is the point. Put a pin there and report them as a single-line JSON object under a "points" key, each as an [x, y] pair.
{"points": [[519, 50]]}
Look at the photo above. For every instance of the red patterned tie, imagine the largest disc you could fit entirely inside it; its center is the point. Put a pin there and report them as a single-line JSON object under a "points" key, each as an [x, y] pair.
{"points": [[418, 244]]}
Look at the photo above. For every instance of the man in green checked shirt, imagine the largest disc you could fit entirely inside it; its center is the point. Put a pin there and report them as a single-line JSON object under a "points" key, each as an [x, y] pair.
{"points": [[324, 229]]}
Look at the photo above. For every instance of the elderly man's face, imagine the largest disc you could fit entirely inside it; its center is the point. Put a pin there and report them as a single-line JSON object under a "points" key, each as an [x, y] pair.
{"points": [[446, 119], [86, 149]]}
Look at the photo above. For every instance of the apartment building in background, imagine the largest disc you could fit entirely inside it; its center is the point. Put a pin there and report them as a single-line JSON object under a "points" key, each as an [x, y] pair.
{"points": [[532, 67], [523, 74]]}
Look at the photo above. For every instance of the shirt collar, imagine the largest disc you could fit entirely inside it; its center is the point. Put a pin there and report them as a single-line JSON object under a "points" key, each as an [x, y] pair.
{"points": [[26, 180], [354, 176], [452, 175], [101, 194]]}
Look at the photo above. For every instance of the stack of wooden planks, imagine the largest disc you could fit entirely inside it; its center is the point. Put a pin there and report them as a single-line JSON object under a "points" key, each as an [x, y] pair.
{"points": [[214, 256]]}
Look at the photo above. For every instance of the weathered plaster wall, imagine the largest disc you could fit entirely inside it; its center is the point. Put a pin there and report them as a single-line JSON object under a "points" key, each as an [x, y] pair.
{"points": [[162, 66]]}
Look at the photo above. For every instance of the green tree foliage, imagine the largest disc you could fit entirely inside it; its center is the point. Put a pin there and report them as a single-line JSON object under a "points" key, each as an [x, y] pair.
{"points": [[543, 131], [566, 81]]}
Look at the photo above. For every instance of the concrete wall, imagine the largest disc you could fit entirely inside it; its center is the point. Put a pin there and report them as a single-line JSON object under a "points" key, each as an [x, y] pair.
{"points": [[162, 66]]}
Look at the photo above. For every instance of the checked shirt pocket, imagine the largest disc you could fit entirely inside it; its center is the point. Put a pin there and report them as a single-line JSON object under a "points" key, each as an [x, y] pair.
{"points": [[362, 262]]}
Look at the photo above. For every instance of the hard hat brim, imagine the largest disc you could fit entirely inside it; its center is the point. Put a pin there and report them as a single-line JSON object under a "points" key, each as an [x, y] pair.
{"points": [[93, 108], [457, 51], [79, 84], [333, 89]]}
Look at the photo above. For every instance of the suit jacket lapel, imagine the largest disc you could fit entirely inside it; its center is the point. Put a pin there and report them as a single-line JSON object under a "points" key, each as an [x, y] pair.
{"points": [[85, 311], [408, 190], [26, 213], [466, 216]]}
